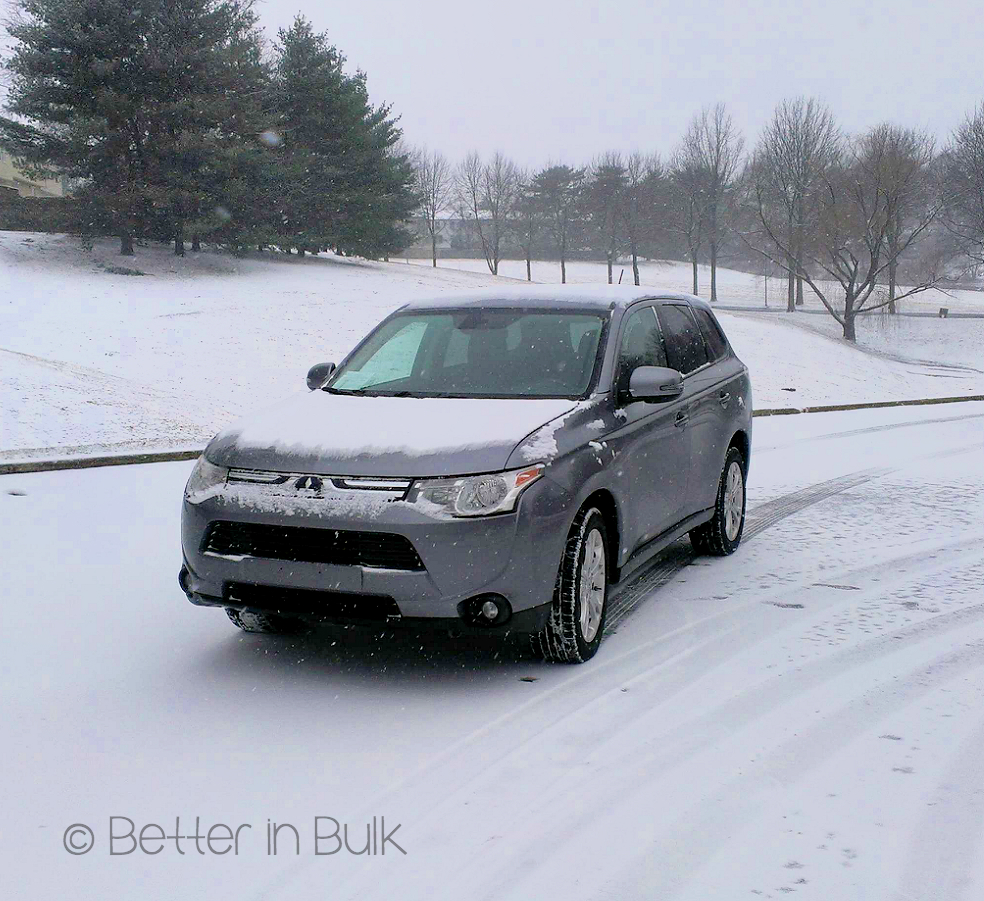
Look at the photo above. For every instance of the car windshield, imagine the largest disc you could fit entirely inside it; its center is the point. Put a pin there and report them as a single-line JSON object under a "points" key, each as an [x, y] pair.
{"points": [[476, 353]]}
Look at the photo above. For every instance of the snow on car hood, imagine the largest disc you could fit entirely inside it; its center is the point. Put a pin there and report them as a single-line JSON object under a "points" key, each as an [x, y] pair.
{"points": [[343, 434]]}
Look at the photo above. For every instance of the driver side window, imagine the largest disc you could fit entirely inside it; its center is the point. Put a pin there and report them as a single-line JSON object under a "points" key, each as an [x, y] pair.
{"points": [[641, 345]]}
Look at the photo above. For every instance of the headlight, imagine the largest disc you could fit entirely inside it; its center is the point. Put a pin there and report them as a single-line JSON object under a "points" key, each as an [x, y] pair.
{"points": [[204, 479], [482, 495]]}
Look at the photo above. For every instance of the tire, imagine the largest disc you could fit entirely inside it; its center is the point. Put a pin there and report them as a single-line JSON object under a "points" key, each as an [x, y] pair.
{"points": [[722, 535], [569, 636], [267, 623]]}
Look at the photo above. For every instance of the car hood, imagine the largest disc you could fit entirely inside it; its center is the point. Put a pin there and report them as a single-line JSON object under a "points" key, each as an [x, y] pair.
{"points": [[340, 434]]}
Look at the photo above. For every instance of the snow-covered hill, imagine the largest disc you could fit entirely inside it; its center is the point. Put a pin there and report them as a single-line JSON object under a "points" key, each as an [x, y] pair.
{"points": [[90, 357]]}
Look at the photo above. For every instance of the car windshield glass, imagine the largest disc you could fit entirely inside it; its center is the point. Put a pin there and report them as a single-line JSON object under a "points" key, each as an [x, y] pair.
{"points": [[476, 353]]}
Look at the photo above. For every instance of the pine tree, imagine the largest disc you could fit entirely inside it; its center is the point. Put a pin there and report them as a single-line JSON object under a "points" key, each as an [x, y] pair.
{"points": [[144, 102], [344, 184]]}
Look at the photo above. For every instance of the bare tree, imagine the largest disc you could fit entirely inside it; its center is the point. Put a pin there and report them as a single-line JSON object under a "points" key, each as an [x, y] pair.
{"points": [[911, 186], [528, 220], [435, 186], [486, 196], [645, 189], [559, 191], [686, 206], [710, 155], [855, 210], [963, 167], [794, 153]]}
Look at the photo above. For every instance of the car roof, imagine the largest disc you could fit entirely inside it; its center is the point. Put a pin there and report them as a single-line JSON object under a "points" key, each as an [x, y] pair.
{"points": [[600, 297]]}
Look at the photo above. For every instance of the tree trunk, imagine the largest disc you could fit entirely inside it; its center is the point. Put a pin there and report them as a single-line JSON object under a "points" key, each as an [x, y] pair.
{"points": [[799, 264], [126, 244], [791, 286], [300, 251], [529, 272], [179, 244], [563, 269], [434, 251], [693, 262], [635, 267], [196, 244], [850, 333], [714, 265], [609, 258], [892, 273]]}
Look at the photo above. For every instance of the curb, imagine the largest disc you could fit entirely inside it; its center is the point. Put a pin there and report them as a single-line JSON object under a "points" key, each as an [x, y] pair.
{"points": [[877, 405], [92, 462], [177, 456]]}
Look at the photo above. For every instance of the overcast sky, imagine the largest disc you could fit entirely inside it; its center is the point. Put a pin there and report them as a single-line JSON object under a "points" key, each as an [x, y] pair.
{"points": [[564, 80]]}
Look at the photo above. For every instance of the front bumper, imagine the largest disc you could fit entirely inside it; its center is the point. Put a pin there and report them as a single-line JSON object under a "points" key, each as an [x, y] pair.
{"points": [[514, 556]]}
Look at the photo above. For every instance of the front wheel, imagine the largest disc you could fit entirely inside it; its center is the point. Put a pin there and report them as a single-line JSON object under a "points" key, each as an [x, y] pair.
{"points": [[722, 535], [580, 604], [264, 622]]}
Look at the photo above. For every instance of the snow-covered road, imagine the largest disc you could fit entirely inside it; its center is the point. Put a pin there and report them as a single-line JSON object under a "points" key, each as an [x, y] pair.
{"points": [[804, 717]]}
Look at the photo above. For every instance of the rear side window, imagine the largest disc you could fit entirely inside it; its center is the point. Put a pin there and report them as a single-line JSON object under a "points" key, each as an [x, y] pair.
{"points": [[685, 350], [717, 344]]}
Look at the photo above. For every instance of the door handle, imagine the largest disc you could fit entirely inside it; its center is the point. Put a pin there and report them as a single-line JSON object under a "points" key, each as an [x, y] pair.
{"points": [[724, 398], [681, 419]]}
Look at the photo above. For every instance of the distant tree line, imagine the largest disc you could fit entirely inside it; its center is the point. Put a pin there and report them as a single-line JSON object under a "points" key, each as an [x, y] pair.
{"points": [[175, 123], [859, 221]]}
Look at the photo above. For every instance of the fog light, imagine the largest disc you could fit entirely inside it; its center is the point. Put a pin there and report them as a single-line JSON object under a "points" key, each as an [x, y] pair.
{"points": [[485, 610]]}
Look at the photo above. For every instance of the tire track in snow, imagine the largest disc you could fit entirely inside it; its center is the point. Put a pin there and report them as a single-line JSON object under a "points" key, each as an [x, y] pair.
{"points": [[760, 518], [627, 768], [945, 841], [712, 822], [665, 855], [580, 723]]}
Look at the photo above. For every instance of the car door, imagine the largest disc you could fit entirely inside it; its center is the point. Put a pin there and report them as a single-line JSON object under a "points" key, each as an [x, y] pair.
{"points": [[707, 400], [652, 443]]}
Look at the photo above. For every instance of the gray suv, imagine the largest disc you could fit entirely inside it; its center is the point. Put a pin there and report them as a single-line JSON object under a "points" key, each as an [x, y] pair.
{"points": [[493, 462]]}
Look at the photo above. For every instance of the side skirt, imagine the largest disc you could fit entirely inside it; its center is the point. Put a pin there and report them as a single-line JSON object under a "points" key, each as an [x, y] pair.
{"points": [[643, 554]]}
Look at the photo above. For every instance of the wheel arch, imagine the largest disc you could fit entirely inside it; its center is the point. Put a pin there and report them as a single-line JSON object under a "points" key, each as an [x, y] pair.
{"points": [[740, 440], [603, 499]]}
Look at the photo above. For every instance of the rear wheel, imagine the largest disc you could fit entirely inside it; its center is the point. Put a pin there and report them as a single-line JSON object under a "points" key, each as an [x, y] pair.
{"points": [[722, 535], [265, 622], [580, 604]]}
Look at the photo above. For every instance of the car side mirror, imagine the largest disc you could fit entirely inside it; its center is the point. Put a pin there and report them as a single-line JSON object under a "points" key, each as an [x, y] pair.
{"points": [[319, 374], [655, 384]]}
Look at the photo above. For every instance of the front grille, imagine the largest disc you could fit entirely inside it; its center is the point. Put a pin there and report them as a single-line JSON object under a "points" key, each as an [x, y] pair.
{"points": [[321, 606], [380, 550]]}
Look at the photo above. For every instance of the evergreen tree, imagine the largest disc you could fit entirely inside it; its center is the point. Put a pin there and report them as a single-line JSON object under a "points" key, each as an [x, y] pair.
{"points": [[144, 102], [344, 184]]}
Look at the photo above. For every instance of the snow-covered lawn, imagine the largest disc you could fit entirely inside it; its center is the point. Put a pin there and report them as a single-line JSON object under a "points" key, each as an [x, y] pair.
{"points": [[91, 359], [802, 717]]}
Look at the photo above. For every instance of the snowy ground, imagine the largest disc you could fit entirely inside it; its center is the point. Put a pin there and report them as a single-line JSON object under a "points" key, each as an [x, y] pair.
{"points": [[805, 717], [91, 360]]}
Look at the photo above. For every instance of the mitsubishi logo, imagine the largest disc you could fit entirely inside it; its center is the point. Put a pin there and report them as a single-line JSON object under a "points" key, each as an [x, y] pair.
{"points": [[309, 483]]}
